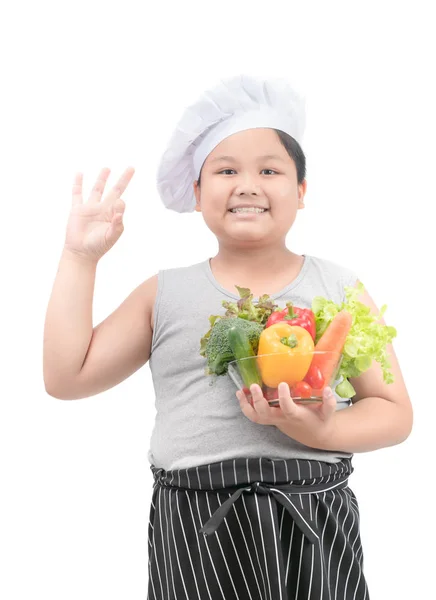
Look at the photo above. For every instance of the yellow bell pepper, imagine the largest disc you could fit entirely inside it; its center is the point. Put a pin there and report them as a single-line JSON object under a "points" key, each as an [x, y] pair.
{"points": [[290, 348]]}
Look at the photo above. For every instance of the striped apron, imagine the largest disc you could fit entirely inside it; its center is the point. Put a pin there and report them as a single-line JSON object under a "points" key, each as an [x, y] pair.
{"points": [[255, 529]]}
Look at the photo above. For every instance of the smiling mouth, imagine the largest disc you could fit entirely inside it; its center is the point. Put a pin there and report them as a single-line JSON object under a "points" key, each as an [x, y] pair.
{"points": [[249, 211]]}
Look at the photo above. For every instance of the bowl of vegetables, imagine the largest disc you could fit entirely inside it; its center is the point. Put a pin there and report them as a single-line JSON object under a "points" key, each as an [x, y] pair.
{"points": [[306, 373], [308, 348], [286, 353]]}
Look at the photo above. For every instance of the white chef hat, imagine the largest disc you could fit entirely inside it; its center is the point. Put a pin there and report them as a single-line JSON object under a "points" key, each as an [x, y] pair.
{"points": [[235, 104]]}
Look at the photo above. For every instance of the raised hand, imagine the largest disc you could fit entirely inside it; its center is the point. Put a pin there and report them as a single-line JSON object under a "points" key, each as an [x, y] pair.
{"points": [[94, 226]]}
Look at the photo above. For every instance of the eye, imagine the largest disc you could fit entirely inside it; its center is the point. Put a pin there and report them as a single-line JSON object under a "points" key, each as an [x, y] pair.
{"points": [[228, 171]]}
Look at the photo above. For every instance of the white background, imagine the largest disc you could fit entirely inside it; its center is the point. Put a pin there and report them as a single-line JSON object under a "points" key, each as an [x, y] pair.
{"points": [[92, 84]]}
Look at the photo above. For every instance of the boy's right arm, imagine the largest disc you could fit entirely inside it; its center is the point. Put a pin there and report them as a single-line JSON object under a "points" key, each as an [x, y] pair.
{"points": [[79, 360]]}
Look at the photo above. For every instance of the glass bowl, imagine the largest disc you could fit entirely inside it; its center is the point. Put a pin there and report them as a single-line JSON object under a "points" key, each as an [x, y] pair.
{"points": [[306, 374]]}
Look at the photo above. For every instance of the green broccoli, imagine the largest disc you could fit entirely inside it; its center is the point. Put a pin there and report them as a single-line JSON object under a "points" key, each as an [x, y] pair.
{"points": [[215, 344]]}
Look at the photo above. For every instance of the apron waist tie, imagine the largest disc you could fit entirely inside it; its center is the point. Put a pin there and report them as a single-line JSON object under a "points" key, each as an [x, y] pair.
{"points": [[299, 515]]}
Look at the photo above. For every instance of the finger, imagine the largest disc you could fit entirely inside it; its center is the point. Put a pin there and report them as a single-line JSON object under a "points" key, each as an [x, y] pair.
{"points": [[116, 227], [117, 219], [118, 189], [288, 406], [246, 407], [328, 405], [260, 403], [77, 189], [99, 185]]}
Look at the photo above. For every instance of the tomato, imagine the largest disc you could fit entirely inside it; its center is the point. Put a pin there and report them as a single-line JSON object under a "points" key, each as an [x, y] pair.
{"points": [[301, 389], [270, 393], [314, 377]]}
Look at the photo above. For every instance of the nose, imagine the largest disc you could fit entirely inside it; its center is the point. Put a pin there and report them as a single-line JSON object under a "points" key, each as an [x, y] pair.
{"points": [[247, 185]]}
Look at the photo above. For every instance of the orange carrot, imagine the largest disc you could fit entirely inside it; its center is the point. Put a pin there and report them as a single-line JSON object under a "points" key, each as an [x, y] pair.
{"points": [[332, 340]]}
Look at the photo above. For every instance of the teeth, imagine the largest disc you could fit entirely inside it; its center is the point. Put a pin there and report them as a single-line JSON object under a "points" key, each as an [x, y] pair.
{"points": [[251, 209]]}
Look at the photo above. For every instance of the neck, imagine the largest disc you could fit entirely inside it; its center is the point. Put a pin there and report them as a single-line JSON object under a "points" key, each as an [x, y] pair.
{"points": [[257, 262]]}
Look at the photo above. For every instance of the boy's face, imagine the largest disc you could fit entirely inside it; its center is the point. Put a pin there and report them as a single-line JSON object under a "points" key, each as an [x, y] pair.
{"points": [[240, 171]]}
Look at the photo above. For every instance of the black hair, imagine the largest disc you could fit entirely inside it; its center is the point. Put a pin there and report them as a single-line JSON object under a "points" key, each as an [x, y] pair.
{"points": [[294, 150]]}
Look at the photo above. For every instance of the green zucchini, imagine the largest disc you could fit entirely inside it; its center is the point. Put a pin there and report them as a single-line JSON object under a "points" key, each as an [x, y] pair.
{"points": [[242, 348]]}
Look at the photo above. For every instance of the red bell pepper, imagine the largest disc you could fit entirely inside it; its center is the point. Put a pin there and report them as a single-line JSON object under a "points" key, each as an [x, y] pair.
{"points": [[293, 315]]}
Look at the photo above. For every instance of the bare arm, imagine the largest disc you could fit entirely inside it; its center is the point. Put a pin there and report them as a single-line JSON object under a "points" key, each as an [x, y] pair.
{"points": [[81, 361], [68, 323], [120, 344], [381, 414]]}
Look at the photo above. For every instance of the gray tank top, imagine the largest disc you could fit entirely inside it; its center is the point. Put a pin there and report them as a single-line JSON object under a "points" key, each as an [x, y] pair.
{"points": [[198, 423]]}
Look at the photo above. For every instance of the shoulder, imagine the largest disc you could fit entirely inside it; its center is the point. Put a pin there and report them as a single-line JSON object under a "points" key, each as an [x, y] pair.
{"points": [[340, 270], [170, 279], [147, 292], [153, 286], [184, 270], [334, 276]]}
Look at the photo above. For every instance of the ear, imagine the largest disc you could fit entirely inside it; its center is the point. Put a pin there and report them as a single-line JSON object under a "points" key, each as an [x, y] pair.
{"points": [[197, 196], [302, 188]]}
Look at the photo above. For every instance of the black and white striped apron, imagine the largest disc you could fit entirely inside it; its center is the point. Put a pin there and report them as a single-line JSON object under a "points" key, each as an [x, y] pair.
{"points": [[255, 529]]}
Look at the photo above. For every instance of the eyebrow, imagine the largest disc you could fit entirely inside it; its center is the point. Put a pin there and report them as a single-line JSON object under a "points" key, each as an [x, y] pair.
{"points": [[233, 159]]}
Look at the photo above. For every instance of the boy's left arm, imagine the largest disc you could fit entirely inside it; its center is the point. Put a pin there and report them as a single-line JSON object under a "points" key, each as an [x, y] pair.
{"points": [[381, 414]]}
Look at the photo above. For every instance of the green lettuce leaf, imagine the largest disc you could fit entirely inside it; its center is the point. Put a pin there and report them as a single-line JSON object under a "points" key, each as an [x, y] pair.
{"points": [[367, 339]]}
